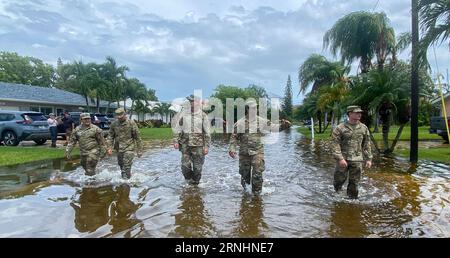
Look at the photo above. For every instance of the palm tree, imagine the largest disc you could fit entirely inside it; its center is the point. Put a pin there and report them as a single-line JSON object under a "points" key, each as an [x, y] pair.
{"points": [[362, 36], [83, 79], [334, 98], [318, 71], [387, 94], [321, 73], [434, 21], [114, 76]]}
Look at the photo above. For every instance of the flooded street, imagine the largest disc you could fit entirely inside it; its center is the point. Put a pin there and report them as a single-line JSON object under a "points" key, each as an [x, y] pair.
{"points": [[55, 198]]}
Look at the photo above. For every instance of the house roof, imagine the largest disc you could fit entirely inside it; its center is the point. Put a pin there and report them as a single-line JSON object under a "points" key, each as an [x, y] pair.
{"points": [[35, 94], [438, 99]]}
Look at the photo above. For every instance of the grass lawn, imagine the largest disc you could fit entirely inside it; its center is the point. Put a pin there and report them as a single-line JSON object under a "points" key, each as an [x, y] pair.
{"points": [[433, 154], [18, 155], [424, 135], [156, 133]]}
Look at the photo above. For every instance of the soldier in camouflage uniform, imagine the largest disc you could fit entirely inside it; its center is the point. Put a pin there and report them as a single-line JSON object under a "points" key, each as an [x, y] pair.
{"points": [[91, 141], [351, 148], [124, 136], [251, 149], [193, 140]]}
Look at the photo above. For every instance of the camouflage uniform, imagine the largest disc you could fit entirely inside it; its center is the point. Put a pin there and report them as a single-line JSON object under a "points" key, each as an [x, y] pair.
{"points": [[92, 146], [194, 136], [251, 154], [126, 139], [351, 143]]}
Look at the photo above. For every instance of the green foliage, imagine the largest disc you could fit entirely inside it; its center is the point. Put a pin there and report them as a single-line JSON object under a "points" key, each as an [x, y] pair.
{"points": [[362, 36], [287, 100], [25, 70]]}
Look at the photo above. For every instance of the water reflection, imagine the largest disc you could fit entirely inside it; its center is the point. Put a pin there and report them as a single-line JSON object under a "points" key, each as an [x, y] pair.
{"points": [[347, 220], [96, 207], [251, 217], [193, 219]]}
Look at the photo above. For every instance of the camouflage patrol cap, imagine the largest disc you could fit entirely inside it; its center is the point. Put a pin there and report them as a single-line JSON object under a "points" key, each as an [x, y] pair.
{"points": [[85, 115], [355, 109], [120, 112]]}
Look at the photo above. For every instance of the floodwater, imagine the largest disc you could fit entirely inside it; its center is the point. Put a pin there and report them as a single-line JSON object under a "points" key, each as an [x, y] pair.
{"points": [[55, 199]]}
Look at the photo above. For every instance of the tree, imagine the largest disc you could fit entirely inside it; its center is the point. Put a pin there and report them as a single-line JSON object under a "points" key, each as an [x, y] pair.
{"points": [[434, 22], [387, 93], [114, 76], [318, 71], [84, 79], [321, 73], [287, 101], [362, 36], [25, 70]]}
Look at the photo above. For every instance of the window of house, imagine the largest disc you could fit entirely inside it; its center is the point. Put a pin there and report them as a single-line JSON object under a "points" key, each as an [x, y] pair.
{"points": [[46, 110], [35, 109]]}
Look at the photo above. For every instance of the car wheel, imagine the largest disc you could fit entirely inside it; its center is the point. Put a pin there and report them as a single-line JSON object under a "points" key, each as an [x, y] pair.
{"points": [[40, 141], [10, 138]]}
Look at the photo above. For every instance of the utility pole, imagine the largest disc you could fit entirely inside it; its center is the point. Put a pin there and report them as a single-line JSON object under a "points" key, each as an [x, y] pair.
{"points": [[414, 145]]}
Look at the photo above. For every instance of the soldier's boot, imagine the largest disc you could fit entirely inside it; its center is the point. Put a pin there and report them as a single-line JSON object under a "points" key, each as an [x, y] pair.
{"points": [[197, 175], [340, 176], [257, 182], [89, 172], [187, 172], [126, 174], [354, 170], [352, 191]]}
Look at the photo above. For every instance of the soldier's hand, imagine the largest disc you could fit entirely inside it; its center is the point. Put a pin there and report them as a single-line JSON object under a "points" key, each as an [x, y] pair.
{"points": [[68, 156], [232, 154], [176, 146], [368, 164], [110, 152], [205, 151], [343, 163]]}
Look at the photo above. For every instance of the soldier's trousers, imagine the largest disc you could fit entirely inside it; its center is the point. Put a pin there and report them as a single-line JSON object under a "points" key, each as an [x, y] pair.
{"points": [[89, 163], [192, 159], [125, 160], [353, 172], [252, 167]]}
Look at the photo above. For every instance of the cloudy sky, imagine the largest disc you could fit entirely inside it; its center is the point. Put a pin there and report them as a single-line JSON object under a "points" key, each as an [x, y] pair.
{"points": [[177, 46]]}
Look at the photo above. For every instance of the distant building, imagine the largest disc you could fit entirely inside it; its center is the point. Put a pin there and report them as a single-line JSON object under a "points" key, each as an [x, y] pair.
{"points": [[46, 100], [438, 103]]}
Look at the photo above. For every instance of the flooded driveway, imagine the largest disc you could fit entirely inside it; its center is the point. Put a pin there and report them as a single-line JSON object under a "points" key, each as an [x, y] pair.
{"points": [[55, 199]]}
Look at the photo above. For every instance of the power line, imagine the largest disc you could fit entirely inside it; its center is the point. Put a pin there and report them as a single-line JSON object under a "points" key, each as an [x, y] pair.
{"points": [[376, 5]]}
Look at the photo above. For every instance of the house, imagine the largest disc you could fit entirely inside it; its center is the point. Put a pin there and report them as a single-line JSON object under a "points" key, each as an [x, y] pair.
{"points": [[438, 103], [46, 100]]}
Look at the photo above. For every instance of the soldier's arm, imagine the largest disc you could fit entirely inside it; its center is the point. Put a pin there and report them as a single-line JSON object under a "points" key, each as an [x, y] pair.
{"points": [[336, 144], [101, 141], [206, 132], [111, 137], [73, 141], [233, 140], [137, 137], [176, 129], [367, 150]]}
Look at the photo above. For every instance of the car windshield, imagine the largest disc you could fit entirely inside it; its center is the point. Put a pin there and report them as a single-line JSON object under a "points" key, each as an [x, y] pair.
{"points": [[34, 117]]}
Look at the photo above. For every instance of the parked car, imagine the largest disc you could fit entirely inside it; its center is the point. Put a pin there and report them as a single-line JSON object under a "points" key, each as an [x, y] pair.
{"points": [[17, 126], [437, 126], [99, 120]]}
